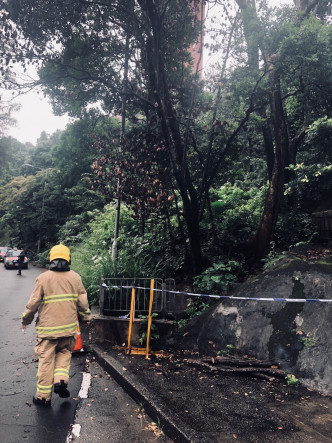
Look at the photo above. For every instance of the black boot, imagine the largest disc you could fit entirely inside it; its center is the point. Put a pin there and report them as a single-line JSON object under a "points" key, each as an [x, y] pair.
{"points": [[61, 389], [41, 401]]}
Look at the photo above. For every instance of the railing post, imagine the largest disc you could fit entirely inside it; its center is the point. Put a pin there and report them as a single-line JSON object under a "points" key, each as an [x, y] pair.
{"points": [[101, 297], [163, 301], [131, 319], [149, 319]]}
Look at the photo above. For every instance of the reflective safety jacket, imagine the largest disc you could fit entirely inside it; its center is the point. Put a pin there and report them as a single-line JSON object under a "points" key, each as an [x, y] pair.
{"points": [[59, 297]]}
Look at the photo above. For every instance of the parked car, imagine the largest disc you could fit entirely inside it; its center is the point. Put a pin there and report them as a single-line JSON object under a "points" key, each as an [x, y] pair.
{"points": [[11, 260], [3, 251]]}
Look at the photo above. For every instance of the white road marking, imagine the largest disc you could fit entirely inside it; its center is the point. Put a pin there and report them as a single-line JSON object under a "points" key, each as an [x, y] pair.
{"points": [[75, 432], [76, 428], [85, 385]]}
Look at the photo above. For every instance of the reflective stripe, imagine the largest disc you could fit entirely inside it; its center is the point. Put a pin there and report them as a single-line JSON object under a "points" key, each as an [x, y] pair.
{"points": [[44, 389], [59, 297], [62, 372], [64, 328], [87, 312]]}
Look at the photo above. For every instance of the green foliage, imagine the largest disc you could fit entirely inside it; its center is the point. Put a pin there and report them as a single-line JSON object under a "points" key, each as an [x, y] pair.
{"points": [[41, 156], [6, 110], [309, 342], [272, 258], [40, 204], [12, 156], [84, 204], [311, 186], [37, 206], [292, 380], [195, 307], [293, 228], [237, 213], [148, 255], [218, 278], [228, 351], [183, 147], [154, 334], [21, 210], [43, 258], [77, 142], [319, 134], [306, 60]]}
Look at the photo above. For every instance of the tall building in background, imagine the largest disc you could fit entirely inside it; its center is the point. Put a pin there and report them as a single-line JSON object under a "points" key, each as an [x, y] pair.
{"points": [[197, 48]]}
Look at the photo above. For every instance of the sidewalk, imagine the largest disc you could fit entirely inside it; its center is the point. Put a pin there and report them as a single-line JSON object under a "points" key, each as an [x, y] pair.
{"points": [[193, 405]]}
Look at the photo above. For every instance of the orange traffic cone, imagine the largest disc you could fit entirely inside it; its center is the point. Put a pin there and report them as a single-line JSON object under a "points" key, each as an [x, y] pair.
{"points": [[79, 344]]}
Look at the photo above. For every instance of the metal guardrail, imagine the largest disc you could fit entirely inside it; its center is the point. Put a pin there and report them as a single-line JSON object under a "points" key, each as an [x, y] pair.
{"points": [[323, 221], [115, 297]]}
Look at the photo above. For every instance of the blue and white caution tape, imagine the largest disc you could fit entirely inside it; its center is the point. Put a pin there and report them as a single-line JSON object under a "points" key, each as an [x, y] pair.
{"points": [[191, 294]]}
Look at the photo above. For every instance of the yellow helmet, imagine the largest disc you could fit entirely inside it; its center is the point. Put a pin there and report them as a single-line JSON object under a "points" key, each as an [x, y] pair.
{"points": [[60, 251]]}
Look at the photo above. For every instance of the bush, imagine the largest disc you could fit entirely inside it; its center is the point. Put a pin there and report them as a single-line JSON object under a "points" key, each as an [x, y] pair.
{"points": [[218, 278], [237, 213], [293, 228], [137, 256], [43, 258]]}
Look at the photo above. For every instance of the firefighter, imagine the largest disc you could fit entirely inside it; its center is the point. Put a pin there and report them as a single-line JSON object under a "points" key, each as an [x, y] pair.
{"points": [[59, 297]]}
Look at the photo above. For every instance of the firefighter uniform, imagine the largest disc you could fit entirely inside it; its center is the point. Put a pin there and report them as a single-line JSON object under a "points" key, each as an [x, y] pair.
{"points": [[59, 297]]}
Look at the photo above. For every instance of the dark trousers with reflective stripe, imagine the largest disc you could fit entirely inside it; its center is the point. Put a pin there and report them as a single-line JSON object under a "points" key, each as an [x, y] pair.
{"points": [[54, 363]]}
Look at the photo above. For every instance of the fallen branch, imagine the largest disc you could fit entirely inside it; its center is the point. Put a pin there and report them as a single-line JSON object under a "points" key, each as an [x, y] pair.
{"points": [[262, 376], [248, 371], [240, 362]]}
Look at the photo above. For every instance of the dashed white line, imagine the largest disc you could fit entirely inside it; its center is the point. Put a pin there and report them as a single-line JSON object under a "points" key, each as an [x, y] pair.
{"points": [[76, 428], [85, 385]]}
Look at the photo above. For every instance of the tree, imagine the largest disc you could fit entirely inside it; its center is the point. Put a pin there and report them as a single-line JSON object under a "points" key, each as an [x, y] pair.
{"points": [[33, 208], [5, 116], [12, 156], [304, 60], [86, 68], [263, 92]]}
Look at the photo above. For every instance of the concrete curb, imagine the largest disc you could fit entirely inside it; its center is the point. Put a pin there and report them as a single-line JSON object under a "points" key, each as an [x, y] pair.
{"points": [[175, 430]]}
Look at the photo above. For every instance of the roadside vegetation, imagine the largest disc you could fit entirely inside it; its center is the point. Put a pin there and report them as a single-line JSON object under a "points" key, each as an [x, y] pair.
{"points": [[216, 176]]}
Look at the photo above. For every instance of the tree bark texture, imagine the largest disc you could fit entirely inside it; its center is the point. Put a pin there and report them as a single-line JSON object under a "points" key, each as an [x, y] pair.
{"points": [[277, 153], [274, 195], [170, 130]]}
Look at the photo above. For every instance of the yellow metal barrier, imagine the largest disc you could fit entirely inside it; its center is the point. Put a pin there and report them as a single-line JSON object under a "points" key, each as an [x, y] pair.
{"points": [[132, 349], [131, 319], [149, 319]]}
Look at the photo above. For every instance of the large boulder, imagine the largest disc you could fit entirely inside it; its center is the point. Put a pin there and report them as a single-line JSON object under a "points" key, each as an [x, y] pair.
{"points": [[297, 335]]}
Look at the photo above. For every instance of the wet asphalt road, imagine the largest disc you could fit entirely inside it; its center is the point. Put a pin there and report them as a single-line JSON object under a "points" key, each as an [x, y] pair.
{"points": [[107, 414], [20, 420]]}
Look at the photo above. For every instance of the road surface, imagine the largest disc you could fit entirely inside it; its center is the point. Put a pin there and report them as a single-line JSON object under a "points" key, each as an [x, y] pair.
{"points": [[20, 420], [107, 414]]}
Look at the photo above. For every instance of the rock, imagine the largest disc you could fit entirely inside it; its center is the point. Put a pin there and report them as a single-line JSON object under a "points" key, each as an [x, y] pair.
{"points": [[296, 335]]}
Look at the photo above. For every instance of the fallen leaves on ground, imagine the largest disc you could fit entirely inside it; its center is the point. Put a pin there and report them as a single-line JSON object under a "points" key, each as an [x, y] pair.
{"points": [[155, 429]]}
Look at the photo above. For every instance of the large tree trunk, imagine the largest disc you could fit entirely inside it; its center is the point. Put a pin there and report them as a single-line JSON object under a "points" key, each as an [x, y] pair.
{"points": [[171, 132], [277, 156], [284, 153], [264, 235]]}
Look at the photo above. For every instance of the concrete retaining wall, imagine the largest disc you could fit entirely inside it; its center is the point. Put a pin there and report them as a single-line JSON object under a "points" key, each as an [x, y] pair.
{"points": [[114, 330]]}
